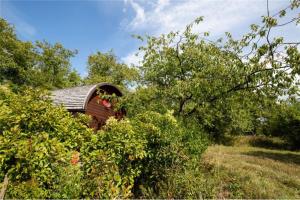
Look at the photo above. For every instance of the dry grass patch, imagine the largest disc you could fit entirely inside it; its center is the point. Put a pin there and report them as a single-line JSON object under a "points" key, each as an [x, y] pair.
{"points": [[251, 172]]}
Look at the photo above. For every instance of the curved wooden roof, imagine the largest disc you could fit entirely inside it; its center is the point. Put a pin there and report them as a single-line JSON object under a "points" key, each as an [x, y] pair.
{"points": [[77, 98]]}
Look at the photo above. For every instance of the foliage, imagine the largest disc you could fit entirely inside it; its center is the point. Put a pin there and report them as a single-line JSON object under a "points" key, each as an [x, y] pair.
{"points": [[69, 184], [53, 62], [35, 141], [16, 57], [184, 178], [133, 154], [225, 84], [187, 90], [39, 65], [284, 122], [109, 160], [104, 67], [39, 142], [105, 96]]}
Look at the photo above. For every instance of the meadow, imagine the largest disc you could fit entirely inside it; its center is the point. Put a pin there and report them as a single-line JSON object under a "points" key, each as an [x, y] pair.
{"points": [[253, 167]]}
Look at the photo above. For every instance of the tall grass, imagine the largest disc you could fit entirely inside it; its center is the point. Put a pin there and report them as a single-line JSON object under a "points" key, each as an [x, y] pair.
{"points": [[244, 171]]}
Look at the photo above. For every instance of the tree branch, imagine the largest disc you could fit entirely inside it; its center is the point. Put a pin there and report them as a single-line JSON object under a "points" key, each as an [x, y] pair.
{"points": [[182, 102]]}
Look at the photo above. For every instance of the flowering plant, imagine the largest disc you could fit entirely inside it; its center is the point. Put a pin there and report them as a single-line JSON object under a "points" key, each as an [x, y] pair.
{"points": [[106, 99]]}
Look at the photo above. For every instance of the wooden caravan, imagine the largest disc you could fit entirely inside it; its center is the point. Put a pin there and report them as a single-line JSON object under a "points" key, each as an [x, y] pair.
{"points": [[84, 99]]}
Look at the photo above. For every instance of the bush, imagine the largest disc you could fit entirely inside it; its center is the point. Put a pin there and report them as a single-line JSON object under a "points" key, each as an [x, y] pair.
{"points": [[47, 153], [188, 182], [36, 139], [284, 122], [128, 156], [172, 170], [109, 160]]}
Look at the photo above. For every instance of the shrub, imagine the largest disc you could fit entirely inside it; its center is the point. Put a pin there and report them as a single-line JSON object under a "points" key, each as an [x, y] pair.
{"points": [[109, 160], [172, 164], [128, 156], [35, 142], [47, 153], [285, 123]]}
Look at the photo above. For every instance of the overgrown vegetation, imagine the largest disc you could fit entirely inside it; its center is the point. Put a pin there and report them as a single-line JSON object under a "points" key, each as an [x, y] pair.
{"points": [[40, 65], [187, 93], [39, 142], [246, 171], [284, 122]]}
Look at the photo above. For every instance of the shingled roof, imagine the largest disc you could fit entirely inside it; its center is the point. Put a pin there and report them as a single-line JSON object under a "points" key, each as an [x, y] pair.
{"points": [[76, 98]]}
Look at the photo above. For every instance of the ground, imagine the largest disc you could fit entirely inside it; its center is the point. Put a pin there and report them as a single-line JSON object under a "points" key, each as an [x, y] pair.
{"points": [[243, 170]]}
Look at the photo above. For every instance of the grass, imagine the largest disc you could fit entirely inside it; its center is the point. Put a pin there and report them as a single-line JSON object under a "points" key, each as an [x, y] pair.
{"points": [[247, 171]]}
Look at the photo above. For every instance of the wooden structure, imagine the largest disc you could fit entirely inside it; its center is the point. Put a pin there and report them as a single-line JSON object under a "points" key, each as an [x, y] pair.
{"points": [[84, 99]]}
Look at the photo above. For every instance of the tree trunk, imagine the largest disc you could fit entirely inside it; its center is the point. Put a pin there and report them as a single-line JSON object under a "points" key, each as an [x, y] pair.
{"points": [[4, 186]]}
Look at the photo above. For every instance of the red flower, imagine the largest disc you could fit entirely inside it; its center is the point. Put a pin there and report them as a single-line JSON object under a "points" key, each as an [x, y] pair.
{"points": [[106, 103], [75, 158]]}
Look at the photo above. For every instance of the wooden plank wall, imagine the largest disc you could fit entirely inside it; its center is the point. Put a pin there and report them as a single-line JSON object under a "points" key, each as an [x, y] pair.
{"points": [[98, 112]]}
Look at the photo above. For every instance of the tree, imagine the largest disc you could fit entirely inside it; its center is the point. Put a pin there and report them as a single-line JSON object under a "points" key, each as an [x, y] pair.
{"points": [[73, 79], [39, 65], [225, 83], [16, 57], [53, 61], [284, 121], [104, 67]]}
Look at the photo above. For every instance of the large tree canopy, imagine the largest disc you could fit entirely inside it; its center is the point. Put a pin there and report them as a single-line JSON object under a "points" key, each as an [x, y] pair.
{"points": [[16, 57], [39, 65], [53, 61], [223, 83]]}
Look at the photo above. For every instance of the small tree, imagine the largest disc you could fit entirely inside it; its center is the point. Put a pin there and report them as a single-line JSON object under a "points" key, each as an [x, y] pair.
{"points": [[223, 84], [104, 67]]}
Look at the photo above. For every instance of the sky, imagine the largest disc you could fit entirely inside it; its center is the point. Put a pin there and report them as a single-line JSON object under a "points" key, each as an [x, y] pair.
{"points": [[102, 25]]}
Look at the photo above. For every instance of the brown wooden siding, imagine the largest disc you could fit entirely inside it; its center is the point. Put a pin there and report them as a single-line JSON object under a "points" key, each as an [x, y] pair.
{"points": [[98, 112]]}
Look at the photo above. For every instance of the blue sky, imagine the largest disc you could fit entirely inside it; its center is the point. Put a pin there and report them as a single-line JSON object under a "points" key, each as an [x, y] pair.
{"points": [[101, 25]]}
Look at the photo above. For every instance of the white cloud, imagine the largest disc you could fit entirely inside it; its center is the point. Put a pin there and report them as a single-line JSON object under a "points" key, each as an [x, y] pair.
{"points": [[220, 16], [163, 16], [132, 59], [140, 14], [161, 4]]}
